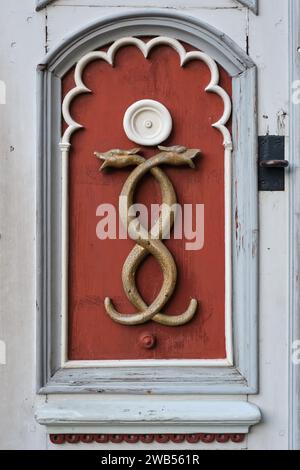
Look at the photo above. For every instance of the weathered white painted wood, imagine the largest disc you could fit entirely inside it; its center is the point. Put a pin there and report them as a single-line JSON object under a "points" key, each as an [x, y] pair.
{"points": [[158, 415], [294, 211], [233, 22], [252, 4], [269, 52], [141, 380], [246, 237], [40, 4], [273, 327], [182, 4], [22, 44]]}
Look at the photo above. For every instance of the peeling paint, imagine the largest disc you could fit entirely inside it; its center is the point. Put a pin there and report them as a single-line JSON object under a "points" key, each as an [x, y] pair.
{"points": [[281, 122]]}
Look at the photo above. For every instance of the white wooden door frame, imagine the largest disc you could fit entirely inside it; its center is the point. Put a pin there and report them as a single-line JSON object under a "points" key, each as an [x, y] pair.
{"points": [[294, 204], [169, 380]]}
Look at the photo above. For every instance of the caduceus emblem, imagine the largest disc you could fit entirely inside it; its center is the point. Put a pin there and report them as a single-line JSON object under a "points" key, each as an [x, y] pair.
{"points": [[146, 244]]}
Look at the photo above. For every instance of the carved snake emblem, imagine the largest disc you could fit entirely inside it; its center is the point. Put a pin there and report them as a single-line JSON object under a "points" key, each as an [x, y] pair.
{"points": [[145, 243]]}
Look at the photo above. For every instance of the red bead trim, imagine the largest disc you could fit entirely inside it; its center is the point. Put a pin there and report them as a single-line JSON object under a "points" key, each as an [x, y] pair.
{"points": [[225, 437], [193, 438], [101, 438], [145, 438], [177, 438]]}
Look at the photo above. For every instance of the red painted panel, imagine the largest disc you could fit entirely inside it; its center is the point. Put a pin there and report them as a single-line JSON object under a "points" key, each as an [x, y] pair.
{"points": [[94, 265]]}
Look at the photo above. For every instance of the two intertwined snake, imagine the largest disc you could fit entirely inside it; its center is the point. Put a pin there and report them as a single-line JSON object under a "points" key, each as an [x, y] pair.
{"points": [[147, 244]]}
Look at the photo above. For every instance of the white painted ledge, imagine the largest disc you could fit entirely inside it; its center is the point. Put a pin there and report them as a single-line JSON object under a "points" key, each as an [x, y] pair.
{"points": [[117, 414]]}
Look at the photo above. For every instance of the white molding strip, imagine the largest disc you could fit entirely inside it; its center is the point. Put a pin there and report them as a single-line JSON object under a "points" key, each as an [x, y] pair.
{"points": [[152, 415], [252, 4], [150, 363], [65, 145], [41, 4], [294, 210]]}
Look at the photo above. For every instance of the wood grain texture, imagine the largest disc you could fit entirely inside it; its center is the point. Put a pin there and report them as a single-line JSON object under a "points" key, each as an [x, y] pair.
{"points": [[294, 205], [95, 266], [177, 415]]}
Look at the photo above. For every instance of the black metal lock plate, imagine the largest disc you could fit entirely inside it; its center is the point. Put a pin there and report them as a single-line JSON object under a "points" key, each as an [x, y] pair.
{"points": [[271, 151]]}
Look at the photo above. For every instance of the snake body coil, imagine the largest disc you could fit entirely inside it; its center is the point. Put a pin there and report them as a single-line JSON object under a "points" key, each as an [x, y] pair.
{"points": [[145, 242]]}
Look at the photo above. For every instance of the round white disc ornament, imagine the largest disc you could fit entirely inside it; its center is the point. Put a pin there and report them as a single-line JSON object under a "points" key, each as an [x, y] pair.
{"points": [[147, 122]]}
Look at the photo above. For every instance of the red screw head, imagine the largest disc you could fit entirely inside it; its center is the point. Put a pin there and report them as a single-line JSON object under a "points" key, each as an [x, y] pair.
{"points": [[147, 341]]}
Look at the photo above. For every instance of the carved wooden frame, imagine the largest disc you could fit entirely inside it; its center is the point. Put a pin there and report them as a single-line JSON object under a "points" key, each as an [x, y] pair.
{"points": [[65, 146], [239, 378]]}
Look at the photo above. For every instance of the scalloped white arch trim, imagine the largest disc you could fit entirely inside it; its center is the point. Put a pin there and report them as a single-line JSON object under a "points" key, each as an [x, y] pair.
{"points": [[145, 48], [65, 145]]}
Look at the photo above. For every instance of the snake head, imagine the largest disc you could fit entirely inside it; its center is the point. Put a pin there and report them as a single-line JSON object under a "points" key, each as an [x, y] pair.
{"points": [[179, 155], [118, 158], [189, 156]]}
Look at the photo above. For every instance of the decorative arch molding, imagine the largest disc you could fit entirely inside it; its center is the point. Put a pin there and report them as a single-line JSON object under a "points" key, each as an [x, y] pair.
{"points": [[171, 379], [41, 4], [146, 48], [252, 4], [156, 22]]}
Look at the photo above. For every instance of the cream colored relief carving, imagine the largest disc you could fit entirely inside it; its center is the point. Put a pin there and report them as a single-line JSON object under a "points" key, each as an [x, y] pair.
{"points": [[145, 48], [147, 122]]}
